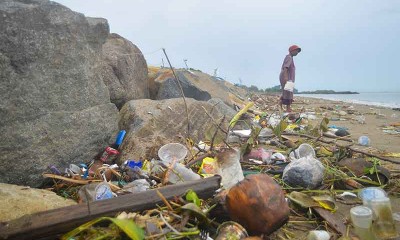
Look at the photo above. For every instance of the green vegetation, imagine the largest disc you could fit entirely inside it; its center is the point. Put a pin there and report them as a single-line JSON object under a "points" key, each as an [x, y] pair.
{"points": [[252, 88]]}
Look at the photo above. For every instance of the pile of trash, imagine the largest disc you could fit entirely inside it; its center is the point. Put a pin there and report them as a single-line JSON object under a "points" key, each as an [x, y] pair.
{"points": [[285, 176]]}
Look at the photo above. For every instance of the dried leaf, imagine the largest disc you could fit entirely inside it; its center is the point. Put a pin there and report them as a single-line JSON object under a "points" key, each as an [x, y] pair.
{"points": [[302, 199]]}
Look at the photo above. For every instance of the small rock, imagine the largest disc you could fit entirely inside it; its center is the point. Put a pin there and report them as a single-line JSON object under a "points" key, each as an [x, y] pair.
{"points": [[342, 133]]}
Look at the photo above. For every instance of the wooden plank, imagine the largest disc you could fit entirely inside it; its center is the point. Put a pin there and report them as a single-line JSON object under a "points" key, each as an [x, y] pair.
{"points": [[47, 225], [332, 219], [335, 220]]}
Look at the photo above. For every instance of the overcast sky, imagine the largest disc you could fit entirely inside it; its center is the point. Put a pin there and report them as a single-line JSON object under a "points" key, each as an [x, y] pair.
{"points": [[346, 44]]}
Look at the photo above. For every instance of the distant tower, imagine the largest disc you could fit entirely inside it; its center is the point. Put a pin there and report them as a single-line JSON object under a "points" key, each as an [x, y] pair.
{"points": [[240, 81], [185, 60], [215, 72]]}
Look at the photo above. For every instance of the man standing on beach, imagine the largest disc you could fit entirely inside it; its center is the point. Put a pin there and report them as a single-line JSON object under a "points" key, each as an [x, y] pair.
{"points": [[287, 77]]}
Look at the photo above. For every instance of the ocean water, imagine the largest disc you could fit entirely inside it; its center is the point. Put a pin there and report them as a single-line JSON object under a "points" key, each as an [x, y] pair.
{"points": [[383, 99]]}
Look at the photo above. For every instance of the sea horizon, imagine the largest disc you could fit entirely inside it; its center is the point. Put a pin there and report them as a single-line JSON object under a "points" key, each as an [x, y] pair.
{"points": [[380, 99]]}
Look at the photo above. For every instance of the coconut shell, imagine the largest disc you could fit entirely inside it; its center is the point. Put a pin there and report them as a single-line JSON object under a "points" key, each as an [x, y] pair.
{"points": [[258, 204]]}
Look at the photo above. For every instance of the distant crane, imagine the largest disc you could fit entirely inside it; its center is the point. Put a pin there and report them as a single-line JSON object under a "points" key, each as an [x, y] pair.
{"points": [[185, 60]]}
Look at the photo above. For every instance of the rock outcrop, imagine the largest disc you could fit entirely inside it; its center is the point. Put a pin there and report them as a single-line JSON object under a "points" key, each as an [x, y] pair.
{"points": [[54, 105], [151, 124], [125, 70], [17, 201], [195, 84]]}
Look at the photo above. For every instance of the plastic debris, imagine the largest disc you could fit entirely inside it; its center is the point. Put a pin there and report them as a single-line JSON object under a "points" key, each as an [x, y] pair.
{"points": [[363, 140], [306, 172]]}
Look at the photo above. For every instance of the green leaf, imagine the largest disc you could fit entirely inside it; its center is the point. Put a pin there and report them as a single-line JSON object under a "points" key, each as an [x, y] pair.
{"points": [[191, 196], [232, 123], [280, 128], [128, 226]]}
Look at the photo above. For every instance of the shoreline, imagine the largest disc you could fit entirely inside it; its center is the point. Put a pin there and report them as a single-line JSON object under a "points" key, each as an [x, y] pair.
{"points": [[377, 120], [342, 97]]}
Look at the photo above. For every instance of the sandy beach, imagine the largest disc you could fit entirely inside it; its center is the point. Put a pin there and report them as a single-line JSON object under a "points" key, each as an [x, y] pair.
{"points": [[377, 119]]}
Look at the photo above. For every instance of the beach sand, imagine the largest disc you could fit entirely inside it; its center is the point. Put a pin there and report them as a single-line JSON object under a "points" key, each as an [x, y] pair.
{"points": [[376, 119]]}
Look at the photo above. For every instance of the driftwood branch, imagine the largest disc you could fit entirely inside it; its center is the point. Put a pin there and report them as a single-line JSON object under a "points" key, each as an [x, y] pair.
{"points": [[215, 133], [372, 155], [214, 122], [182, 93], [349, 147], [51, 224]]}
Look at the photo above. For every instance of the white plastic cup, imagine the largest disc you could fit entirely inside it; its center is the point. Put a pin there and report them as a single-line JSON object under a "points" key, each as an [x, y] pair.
{"points": [[304, 150], [361, 216], [172, 152], [180, 173]]}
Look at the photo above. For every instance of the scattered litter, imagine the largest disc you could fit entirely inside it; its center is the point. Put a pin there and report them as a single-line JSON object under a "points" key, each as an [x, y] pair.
{"points": [[280, 159]]}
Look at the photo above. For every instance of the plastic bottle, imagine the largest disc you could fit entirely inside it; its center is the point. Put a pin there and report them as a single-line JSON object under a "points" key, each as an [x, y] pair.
{"points": [[120, 138], [180, 173], [363, 140]]}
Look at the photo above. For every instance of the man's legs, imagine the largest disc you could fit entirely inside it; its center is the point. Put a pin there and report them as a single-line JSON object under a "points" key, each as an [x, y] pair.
{"points": [[288, 108]]}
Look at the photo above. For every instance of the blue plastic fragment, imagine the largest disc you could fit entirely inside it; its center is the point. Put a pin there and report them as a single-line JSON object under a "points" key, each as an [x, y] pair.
{"points": [[133, 163], [86, 172], [337, 127], [120, 137]]}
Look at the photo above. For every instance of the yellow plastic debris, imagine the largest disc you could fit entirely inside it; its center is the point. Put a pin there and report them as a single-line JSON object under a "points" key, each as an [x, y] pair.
{"points": [[208, 167]]}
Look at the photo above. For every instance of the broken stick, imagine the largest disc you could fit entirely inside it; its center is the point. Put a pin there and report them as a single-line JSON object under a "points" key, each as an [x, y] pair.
{"points": [[50, 224]]}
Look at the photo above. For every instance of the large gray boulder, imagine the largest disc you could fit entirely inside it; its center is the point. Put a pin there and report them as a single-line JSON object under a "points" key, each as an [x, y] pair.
{"points": [[167, 87], [125, 71], [54, 106], [195, 84], [222, 107], [151, 124]]}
